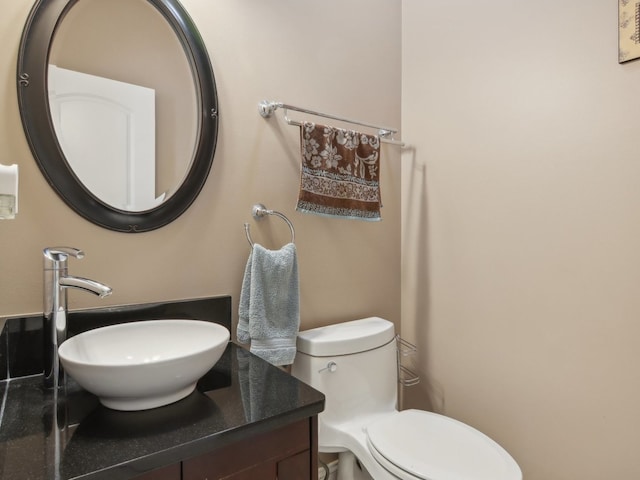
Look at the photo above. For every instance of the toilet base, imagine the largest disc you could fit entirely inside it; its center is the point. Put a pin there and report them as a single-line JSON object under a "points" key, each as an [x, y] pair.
{"points": [[349, 468]]}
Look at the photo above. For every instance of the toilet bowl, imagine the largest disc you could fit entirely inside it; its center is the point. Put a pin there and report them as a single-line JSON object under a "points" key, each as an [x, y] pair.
{"points": [[354, 365]]}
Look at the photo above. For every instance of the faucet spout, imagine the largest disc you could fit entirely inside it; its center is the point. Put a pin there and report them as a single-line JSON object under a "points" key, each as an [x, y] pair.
{"points": [[56, 282], [91, 286]]}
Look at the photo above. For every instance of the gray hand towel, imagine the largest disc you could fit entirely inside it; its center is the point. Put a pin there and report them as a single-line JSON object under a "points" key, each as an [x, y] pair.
{"points": [[269, 308]]}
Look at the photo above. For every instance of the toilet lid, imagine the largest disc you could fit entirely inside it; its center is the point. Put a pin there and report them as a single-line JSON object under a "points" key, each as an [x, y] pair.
{"points": [[434, 447]]}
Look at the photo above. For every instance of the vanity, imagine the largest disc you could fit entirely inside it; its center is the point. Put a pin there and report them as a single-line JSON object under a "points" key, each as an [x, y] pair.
{"points": [[246, 420]]}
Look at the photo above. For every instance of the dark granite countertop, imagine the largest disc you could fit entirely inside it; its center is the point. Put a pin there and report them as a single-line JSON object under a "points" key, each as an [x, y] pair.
{"points": [[70, 435]]}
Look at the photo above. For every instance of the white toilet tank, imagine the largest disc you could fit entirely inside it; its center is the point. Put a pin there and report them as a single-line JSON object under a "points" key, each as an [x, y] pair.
{"points": [[354, 365]]}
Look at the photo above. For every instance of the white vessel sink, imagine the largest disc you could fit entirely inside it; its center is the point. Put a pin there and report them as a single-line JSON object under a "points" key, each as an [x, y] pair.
{"points": [[142, 365]]}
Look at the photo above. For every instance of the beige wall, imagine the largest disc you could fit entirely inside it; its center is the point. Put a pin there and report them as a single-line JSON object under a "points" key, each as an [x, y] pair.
{"points": [[521, 234], [281, 50]]}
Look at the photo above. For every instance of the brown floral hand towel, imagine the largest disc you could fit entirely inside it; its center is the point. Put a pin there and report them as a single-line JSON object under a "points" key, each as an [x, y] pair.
{"points": [[340, 173]]}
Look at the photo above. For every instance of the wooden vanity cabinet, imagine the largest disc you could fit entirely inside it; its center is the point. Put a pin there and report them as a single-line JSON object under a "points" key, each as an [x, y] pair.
{"points": [[286, 453], [172, 472]]}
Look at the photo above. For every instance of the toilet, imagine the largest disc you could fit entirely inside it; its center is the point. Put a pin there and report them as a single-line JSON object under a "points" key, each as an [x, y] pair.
{"points": [[354, 364]]}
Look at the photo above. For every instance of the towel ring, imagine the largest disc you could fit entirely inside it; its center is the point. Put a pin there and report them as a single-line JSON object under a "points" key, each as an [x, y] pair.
{"points": [[259, 211]]}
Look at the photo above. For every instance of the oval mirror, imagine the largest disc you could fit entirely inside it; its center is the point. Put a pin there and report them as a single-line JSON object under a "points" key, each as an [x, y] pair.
{"points": [[119, 106]]}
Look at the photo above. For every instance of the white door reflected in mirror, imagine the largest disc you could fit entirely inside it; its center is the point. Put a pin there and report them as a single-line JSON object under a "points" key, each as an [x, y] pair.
{"points": [[107, 130]]}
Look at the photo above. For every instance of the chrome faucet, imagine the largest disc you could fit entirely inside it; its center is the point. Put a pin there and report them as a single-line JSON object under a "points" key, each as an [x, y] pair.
{"points": [[56, 282]]}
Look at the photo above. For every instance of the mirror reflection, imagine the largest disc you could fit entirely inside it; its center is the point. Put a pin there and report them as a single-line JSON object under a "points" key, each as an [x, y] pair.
{"points": [[123, 102]]}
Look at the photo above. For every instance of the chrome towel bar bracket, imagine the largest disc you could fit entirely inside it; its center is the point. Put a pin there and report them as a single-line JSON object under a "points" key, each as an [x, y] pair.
{"points": [[258, 212]]}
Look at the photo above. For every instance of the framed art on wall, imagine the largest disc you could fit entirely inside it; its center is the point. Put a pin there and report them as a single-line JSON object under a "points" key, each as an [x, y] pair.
{"points": [[628, 30]]}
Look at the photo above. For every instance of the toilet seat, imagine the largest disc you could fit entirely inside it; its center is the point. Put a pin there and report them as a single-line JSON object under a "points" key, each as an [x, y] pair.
{"points": [[415, 444]]}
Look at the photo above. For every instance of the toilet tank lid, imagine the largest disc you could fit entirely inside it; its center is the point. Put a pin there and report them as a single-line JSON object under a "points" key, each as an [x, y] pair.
{"points": [[346, 338]]}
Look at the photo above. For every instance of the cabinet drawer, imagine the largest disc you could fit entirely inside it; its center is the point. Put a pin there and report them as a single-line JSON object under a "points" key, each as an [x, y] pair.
{"points": [[172, 472], [252, 454]]}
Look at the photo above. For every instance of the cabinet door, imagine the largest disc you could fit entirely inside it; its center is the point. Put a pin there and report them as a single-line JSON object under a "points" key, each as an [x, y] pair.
{"points": [[265, 471], [295, 468]]}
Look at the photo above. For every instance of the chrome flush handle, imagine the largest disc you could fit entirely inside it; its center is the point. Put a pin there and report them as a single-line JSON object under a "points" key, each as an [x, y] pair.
{"points": [[331, 366]]}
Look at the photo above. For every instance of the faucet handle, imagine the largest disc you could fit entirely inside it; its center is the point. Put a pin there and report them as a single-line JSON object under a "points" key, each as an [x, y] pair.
{"points": [[56, 255]]}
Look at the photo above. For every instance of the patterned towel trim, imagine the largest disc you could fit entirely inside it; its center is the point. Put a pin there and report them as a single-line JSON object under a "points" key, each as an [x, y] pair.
{"points": [[335, 212]]}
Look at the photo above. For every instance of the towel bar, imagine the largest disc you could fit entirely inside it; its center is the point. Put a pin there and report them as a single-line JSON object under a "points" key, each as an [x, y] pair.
{"points": [[266, 108], [258, 211]]}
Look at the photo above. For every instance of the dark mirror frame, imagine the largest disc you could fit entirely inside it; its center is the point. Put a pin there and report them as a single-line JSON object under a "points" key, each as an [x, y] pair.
{"points": [[33, 59]]}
